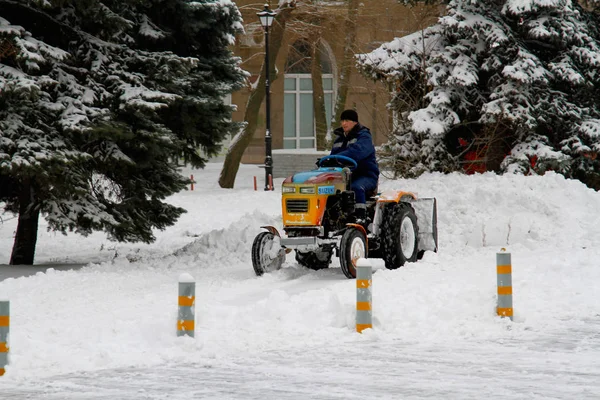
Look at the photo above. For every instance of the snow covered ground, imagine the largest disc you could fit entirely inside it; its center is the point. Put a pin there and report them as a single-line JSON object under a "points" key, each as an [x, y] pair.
{"points": [[107, 330]]}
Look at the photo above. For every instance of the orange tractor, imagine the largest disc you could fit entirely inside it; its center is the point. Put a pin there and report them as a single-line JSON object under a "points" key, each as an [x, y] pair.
{"points": [[318, 210]]}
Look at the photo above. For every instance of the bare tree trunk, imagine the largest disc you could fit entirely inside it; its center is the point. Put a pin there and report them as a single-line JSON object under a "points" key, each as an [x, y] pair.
{"points": [[498, 139], [318, 96], [347, 62], [240, 143], [374, 112], [23, 252]]}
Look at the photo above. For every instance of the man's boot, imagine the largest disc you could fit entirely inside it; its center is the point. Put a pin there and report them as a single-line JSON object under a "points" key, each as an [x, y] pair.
{"points": [[360, 213]]}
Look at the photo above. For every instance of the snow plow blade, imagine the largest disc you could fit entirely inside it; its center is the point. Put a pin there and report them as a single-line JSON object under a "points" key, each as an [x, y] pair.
{"points": [[426, 210]]}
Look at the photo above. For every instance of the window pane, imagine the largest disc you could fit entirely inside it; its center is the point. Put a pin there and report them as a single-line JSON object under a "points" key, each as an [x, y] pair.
{"points": [[305, 84], [289, 144], [306, 115], [299, 58], [327, 83], [290, 84], [289, 115], [307, 144]]}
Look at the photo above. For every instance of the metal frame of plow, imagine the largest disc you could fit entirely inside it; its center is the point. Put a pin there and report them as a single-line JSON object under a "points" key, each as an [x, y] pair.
{"points": [[426, 211]]}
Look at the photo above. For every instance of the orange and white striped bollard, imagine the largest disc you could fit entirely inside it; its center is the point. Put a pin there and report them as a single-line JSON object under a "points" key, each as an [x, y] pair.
{"points": [[187, 305], [504, 280], [4, 330], [364, 296]]}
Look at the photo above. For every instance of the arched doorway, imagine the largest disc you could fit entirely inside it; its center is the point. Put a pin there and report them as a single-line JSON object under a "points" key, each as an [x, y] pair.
{"points": [[299, 119]]}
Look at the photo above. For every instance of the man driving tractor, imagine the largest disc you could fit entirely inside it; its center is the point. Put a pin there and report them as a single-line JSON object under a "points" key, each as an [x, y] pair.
{"points": [[354, 141], [333, 210]]}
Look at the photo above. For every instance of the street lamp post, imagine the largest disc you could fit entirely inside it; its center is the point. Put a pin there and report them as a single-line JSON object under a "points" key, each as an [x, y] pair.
{"points": [[266, 17]]}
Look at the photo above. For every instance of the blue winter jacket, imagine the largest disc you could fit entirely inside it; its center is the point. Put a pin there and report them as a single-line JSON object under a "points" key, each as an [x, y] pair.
{"points": [[358, 145]]}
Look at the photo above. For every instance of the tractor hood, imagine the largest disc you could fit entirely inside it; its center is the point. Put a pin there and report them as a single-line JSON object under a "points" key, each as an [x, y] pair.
{"points": [[321, 175]]}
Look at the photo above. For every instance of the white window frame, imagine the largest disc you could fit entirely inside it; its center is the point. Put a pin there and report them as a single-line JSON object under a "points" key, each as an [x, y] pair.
{"points": [[297, 92]]}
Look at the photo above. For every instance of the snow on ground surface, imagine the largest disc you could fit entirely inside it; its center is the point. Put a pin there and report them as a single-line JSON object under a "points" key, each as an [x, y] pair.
{"points": [[107, 330]]}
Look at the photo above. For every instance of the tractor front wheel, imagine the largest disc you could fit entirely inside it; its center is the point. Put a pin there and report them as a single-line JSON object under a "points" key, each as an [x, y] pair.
{"points": [[352, 247], [267, 253]]}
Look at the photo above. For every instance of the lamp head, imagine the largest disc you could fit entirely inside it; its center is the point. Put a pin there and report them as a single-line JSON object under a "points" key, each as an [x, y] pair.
{"points": [[266, 17]]}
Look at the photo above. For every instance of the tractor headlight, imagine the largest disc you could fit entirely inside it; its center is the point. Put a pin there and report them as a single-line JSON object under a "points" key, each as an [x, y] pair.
{"points": [[288, 189], [307, 190]]}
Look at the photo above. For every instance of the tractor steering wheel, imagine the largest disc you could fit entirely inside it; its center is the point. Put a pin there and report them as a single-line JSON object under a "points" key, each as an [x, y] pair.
{"points": [[337, 161]]}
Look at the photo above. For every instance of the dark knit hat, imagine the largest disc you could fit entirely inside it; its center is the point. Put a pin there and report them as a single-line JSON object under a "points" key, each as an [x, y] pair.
{"points": [[349, 115]]}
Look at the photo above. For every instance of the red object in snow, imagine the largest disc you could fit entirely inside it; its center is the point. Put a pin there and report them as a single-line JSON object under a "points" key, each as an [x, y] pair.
{"points": [[533, 160], [477, 165]]}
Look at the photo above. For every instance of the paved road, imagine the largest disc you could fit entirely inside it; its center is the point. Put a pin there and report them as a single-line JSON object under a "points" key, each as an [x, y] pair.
{"points": [[17, 271], [387, 370]]}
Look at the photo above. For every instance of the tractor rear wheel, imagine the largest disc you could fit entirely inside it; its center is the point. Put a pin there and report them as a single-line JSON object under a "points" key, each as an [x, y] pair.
{"points": [[267, 253], [399, 236], [314, 260], [352, 247]]}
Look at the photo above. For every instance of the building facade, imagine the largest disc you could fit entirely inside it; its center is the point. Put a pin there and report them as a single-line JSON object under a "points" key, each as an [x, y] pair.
{"points": [[292, 115]]}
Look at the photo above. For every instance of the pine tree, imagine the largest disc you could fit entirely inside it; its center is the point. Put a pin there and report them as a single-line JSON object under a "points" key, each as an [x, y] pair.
{"points": [[564, 38], [409, 152], [97, 98], [509, 78]]}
